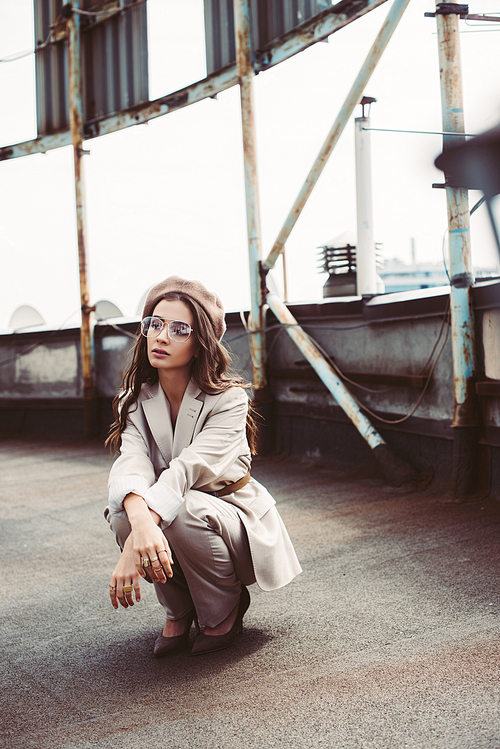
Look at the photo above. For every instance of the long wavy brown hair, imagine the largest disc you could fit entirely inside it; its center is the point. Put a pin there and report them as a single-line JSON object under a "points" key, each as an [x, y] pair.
{"points": [[211, 370]]}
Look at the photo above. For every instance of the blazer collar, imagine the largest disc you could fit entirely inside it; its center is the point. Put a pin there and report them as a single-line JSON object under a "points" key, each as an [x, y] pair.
{"points": [[188, 416], [157, 411]]}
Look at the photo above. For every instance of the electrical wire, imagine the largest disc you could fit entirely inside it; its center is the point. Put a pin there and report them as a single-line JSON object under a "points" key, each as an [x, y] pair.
{"points": [[419, 132], [336, 368], [119, 328], [105, 15], [477, 205], [317, 346], [38, 343], [444, 254], [363, 406], [20, 55]]}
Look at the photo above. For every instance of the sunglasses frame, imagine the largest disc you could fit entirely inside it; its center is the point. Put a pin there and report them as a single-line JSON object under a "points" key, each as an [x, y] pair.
{"points": [[166, 323]]}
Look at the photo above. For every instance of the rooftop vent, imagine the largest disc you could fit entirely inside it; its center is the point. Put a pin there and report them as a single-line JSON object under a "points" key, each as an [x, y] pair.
{"points": [[25, 317]]}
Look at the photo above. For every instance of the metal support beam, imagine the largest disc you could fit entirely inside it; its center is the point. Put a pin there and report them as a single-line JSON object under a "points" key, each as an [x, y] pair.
{"points": [[314, 30], [396, 471], [378, 47], [76, 126], [466, 418], [245, 78]]}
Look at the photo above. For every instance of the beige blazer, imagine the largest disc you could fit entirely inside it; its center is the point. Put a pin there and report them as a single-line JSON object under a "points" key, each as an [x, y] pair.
{"points": [[207, 450]]}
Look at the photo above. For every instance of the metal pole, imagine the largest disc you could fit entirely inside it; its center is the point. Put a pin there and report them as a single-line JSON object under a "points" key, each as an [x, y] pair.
{"points": [[378, 47], [245, 77], [76, 127], [366, 265], [285, 278], [466, 418], [396, 471]]}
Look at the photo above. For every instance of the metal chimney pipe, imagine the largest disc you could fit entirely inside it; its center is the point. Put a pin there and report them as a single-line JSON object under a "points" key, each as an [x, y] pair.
{"points": [[366, 266]]}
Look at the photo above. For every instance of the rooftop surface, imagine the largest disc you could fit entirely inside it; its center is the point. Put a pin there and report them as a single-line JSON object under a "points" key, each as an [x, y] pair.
{"points": [[388, 639]]}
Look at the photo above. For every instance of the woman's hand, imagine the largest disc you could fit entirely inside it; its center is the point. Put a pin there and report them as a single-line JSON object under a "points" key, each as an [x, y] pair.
{"points": [[151, 550], [125, 578], [150, 547]]}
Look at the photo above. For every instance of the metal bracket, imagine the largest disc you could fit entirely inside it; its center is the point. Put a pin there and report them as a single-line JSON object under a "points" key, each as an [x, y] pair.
{"points": [[446, 9], [67, 11], [462, 280]]}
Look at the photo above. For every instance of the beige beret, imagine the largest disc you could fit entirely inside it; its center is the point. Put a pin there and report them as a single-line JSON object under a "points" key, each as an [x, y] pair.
{"points": [[205, 298]]}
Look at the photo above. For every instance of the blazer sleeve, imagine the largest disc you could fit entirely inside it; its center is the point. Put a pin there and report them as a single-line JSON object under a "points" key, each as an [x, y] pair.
{"points": [[219, 444], [132, 471]]}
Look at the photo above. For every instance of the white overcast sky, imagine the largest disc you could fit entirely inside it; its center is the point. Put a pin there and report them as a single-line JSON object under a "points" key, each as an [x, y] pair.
{"points": [[168, 197]]}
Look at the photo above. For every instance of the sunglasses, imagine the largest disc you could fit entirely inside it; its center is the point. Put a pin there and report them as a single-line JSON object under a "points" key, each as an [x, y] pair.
{"points": [[177, 330]]}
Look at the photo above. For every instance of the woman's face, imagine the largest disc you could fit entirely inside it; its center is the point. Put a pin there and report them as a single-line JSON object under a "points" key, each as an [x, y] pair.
{"points": [[166, 355]]}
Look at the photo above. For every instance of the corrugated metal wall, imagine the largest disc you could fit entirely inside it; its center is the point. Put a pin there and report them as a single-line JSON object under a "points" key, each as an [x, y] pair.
{"points": [[51, 72], [114, 64], [270, 19]]}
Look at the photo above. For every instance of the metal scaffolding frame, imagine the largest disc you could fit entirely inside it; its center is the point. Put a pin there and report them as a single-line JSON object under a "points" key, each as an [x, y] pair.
{"points": [[248, 63]]}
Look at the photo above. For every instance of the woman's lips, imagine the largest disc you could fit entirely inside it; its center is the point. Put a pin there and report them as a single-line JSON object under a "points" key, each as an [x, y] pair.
{"points": [[160, 352]]}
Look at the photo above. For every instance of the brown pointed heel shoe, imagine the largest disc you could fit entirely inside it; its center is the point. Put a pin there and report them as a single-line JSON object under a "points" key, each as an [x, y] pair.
{"points": [[211, 643]]}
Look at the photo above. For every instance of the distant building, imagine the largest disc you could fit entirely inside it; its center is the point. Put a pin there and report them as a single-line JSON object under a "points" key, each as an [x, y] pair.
{"points": [[400, 276]]}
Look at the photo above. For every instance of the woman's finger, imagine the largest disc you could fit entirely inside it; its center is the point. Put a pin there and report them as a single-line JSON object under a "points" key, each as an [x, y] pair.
{"points": [[124, 594], [157, 572], [167, 549], [112, 594], [140, 563], [166, 561]]}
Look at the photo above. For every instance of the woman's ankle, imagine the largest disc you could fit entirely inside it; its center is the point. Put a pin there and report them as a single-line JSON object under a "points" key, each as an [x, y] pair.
{"points": [[175, 627], [224, 626]]}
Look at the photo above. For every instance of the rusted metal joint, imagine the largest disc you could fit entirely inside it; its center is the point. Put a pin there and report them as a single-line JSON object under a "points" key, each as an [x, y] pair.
{"points": [[447, 9], [462, 280], [263, 282], [87, 308], [67, 11]]}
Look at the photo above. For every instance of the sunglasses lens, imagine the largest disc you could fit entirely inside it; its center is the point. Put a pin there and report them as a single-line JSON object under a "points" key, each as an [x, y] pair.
{"points": [[151, 326], [179, 331]]}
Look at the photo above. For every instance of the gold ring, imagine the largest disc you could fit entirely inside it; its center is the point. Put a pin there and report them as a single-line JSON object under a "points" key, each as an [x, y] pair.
{"points": [[146, 562], [128, 588], [112, 587]]}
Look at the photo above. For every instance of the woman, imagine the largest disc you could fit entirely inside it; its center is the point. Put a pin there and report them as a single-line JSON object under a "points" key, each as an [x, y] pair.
{"points": [[184, 509]]}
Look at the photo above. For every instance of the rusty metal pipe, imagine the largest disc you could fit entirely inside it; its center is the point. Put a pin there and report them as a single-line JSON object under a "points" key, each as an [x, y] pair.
{"points": [[325, 372], [397, 472], [76, 127], [369, 65], [466, 416], [245, 78]]}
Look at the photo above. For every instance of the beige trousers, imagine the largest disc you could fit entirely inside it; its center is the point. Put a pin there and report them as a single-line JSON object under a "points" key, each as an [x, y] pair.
{"points": [[212, 558]]}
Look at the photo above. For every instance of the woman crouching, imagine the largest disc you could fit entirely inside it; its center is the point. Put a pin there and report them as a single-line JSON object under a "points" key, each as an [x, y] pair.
{"points": [[183, 507]]}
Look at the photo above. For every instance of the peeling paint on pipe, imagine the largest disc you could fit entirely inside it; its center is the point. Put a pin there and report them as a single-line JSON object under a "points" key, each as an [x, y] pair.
{"points": [[461, 272], [245, 77], [466, 416], [76, 125]]}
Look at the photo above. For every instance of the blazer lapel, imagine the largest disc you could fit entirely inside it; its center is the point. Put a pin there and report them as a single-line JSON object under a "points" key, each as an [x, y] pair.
{"points": [[157, 412], [187, 418]]}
